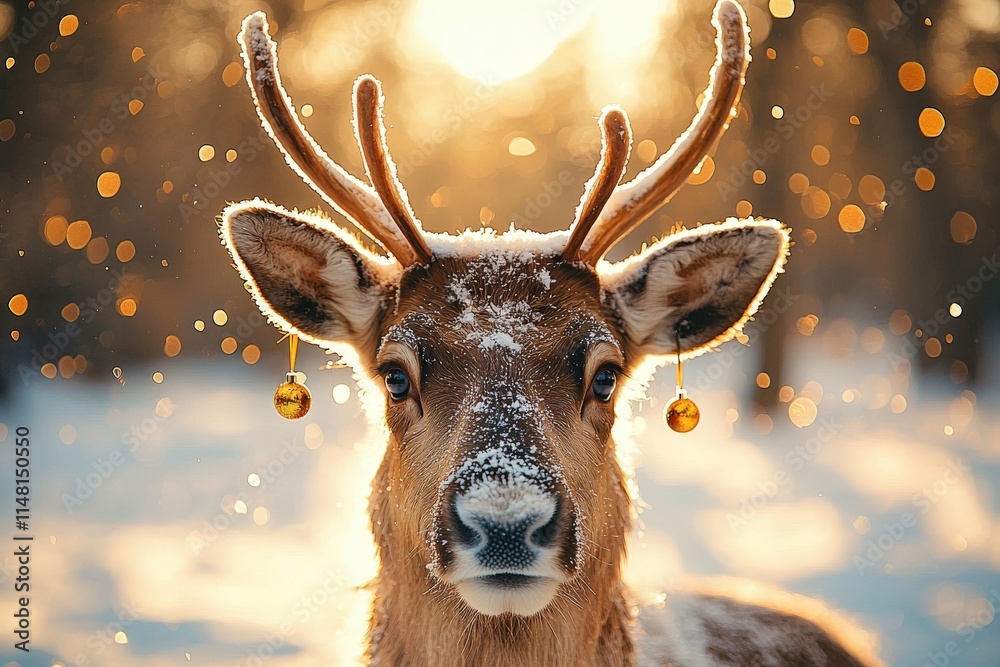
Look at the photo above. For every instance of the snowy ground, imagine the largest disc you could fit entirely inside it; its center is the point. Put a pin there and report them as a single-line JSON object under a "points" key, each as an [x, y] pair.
{"points": [[146, 519]]}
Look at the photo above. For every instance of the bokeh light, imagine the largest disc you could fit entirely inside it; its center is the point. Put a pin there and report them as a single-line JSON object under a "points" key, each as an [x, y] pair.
{"points": [[870, 365], [108, 184]]}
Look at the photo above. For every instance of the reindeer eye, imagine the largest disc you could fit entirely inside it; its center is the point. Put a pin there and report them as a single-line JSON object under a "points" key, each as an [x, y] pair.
{"points": [[397, 384], [604, 384]]}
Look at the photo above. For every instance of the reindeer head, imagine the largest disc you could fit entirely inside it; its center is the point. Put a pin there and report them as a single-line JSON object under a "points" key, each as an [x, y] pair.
{"points": [[499, 354]]}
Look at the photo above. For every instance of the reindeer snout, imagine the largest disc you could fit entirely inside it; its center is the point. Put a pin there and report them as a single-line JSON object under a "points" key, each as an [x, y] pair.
{"points": [[510, 526], [506, 528]]}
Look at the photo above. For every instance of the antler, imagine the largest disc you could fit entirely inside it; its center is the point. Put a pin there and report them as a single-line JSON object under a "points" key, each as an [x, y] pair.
{"points": [[630, 204], [379, 165], [616, 143], [383, 212]]}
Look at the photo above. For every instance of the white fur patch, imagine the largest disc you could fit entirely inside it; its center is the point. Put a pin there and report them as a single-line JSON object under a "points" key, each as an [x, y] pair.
{"points": [[491, 600], [506, 503]]}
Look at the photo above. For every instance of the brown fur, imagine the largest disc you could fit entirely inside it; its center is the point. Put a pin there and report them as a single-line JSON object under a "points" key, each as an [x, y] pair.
{"points": [[737, 624], [418, 621], [501, 340], [566, 325]]}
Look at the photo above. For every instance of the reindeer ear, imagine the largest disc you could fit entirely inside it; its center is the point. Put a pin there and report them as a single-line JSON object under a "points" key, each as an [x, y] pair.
{"points": [[702, 284], [306, 275]]}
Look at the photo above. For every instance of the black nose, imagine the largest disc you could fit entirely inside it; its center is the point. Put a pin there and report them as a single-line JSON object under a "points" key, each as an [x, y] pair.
{"points": [[509, 540]]}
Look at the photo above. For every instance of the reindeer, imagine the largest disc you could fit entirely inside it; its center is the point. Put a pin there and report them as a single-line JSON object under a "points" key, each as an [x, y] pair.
{"points": [[501, 509]]}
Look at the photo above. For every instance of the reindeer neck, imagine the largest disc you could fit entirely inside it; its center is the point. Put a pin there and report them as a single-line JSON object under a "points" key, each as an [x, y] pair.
{"points": [[416, 621], [413, 626]]}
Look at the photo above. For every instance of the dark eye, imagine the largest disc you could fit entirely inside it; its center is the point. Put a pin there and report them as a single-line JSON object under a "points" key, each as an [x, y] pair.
{"points": [[604, 384], [398, 384]]}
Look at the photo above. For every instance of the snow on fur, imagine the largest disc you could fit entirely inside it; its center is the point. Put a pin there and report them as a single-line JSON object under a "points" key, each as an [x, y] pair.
{"points": [[504, 327]]}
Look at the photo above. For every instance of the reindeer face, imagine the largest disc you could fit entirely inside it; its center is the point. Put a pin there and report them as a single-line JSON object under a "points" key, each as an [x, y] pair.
{"points": [[500, 355], [511, 370], [499, 361]]}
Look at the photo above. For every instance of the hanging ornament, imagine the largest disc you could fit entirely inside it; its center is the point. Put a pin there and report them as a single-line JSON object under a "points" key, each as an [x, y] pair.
{"points": [[682, 414], [292, 398]]}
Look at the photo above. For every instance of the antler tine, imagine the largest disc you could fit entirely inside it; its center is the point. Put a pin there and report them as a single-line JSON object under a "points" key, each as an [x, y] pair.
{"points": [[616, 144], [354, 199], [632, 203], [381, 169]]}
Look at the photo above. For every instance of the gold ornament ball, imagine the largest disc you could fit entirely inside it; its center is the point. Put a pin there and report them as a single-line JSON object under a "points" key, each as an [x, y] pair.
{"points": [[682, 415], [292, 400]]}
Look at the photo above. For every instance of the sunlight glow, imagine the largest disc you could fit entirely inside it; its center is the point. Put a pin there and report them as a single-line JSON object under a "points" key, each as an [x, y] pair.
{"points": [[497, 41]]}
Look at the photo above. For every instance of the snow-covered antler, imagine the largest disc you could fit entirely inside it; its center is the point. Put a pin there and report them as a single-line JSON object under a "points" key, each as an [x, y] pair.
{"points": [[616, 143], [379, 165], [382, 212], [596, 232]]}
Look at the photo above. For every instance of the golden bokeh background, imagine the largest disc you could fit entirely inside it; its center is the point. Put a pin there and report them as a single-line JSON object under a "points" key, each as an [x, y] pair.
{"points": [[178, 520]]}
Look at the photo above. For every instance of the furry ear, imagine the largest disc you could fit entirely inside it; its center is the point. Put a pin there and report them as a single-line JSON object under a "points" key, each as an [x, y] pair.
{"points": [[308, 276], [700, 285]]}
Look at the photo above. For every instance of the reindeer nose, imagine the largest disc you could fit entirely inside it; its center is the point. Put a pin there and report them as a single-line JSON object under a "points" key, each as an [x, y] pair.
{"points": [[506, 530]]}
